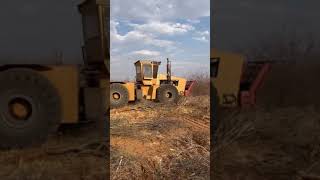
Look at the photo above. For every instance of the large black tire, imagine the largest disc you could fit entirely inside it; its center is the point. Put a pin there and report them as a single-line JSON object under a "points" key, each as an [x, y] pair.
{"points": [[119, 95], [40, 108], [167, 93]]}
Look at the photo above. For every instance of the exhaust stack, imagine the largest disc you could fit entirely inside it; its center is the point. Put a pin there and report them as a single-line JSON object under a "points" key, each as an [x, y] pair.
{"points": [[168, 71]]}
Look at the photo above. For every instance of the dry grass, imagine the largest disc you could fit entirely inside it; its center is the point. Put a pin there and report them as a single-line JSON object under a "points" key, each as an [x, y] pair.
{"points": [[154, 141], [188, 160], [280, 138], [39, 163]]}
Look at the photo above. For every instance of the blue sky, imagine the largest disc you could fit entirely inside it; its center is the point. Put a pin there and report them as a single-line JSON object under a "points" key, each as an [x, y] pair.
{"points": [[159, 29]]}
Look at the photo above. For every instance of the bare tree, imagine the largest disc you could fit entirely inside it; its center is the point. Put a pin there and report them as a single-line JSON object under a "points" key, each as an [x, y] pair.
{"points": [[286, 45]]}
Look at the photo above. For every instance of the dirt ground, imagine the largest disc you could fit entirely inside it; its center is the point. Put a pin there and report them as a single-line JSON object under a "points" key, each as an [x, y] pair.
{"points": [[154, 141], [280, 138], [148, 141], [73, 153]]}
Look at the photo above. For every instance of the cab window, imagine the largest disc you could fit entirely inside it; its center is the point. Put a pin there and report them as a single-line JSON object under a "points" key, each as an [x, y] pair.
{"points": [[138, 70], [214, 66], [147, 71]]}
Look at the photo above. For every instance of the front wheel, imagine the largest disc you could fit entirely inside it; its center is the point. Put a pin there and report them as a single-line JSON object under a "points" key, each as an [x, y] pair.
{"points": [[119, 95], [167, 93]]}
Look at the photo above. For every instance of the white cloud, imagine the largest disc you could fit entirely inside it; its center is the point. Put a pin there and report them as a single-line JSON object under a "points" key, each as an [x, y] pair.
{"points": [[146, 53], [163, 27], [202, 36], [202, 39], [135, 44], [160, 9], [151, 29], [136, 37], [204, 33]]}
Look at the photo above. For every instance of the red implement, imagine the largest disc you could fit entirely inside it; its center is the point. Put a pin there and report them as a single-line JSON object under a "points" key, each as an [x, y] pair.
{"points": [[188, 88], [253, 76]]}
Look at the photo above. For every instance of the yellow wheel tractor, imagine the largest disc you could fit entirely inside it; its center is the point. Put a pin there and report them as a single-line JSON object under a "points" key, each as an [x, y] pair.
{"points": [[235, 82], [150, 85], [35, 99]]}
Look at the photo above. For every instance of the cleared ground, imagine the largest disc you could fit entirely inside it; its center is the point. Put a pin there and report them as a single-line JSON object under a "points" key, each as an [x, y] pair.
{"points": [[154, 141], [148, 141]]}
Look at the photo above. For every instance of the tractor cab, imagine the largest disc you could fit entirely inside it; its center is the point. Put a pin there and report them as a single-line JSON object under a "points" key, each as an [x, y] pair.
{"points": [[146, 71]]}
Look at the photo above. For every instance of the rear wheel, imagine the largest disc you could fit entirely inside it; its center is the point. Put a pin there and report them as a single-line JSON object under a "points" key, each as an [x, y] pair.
{"points": [[167, 93], [29, 108], [119, 95]]}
